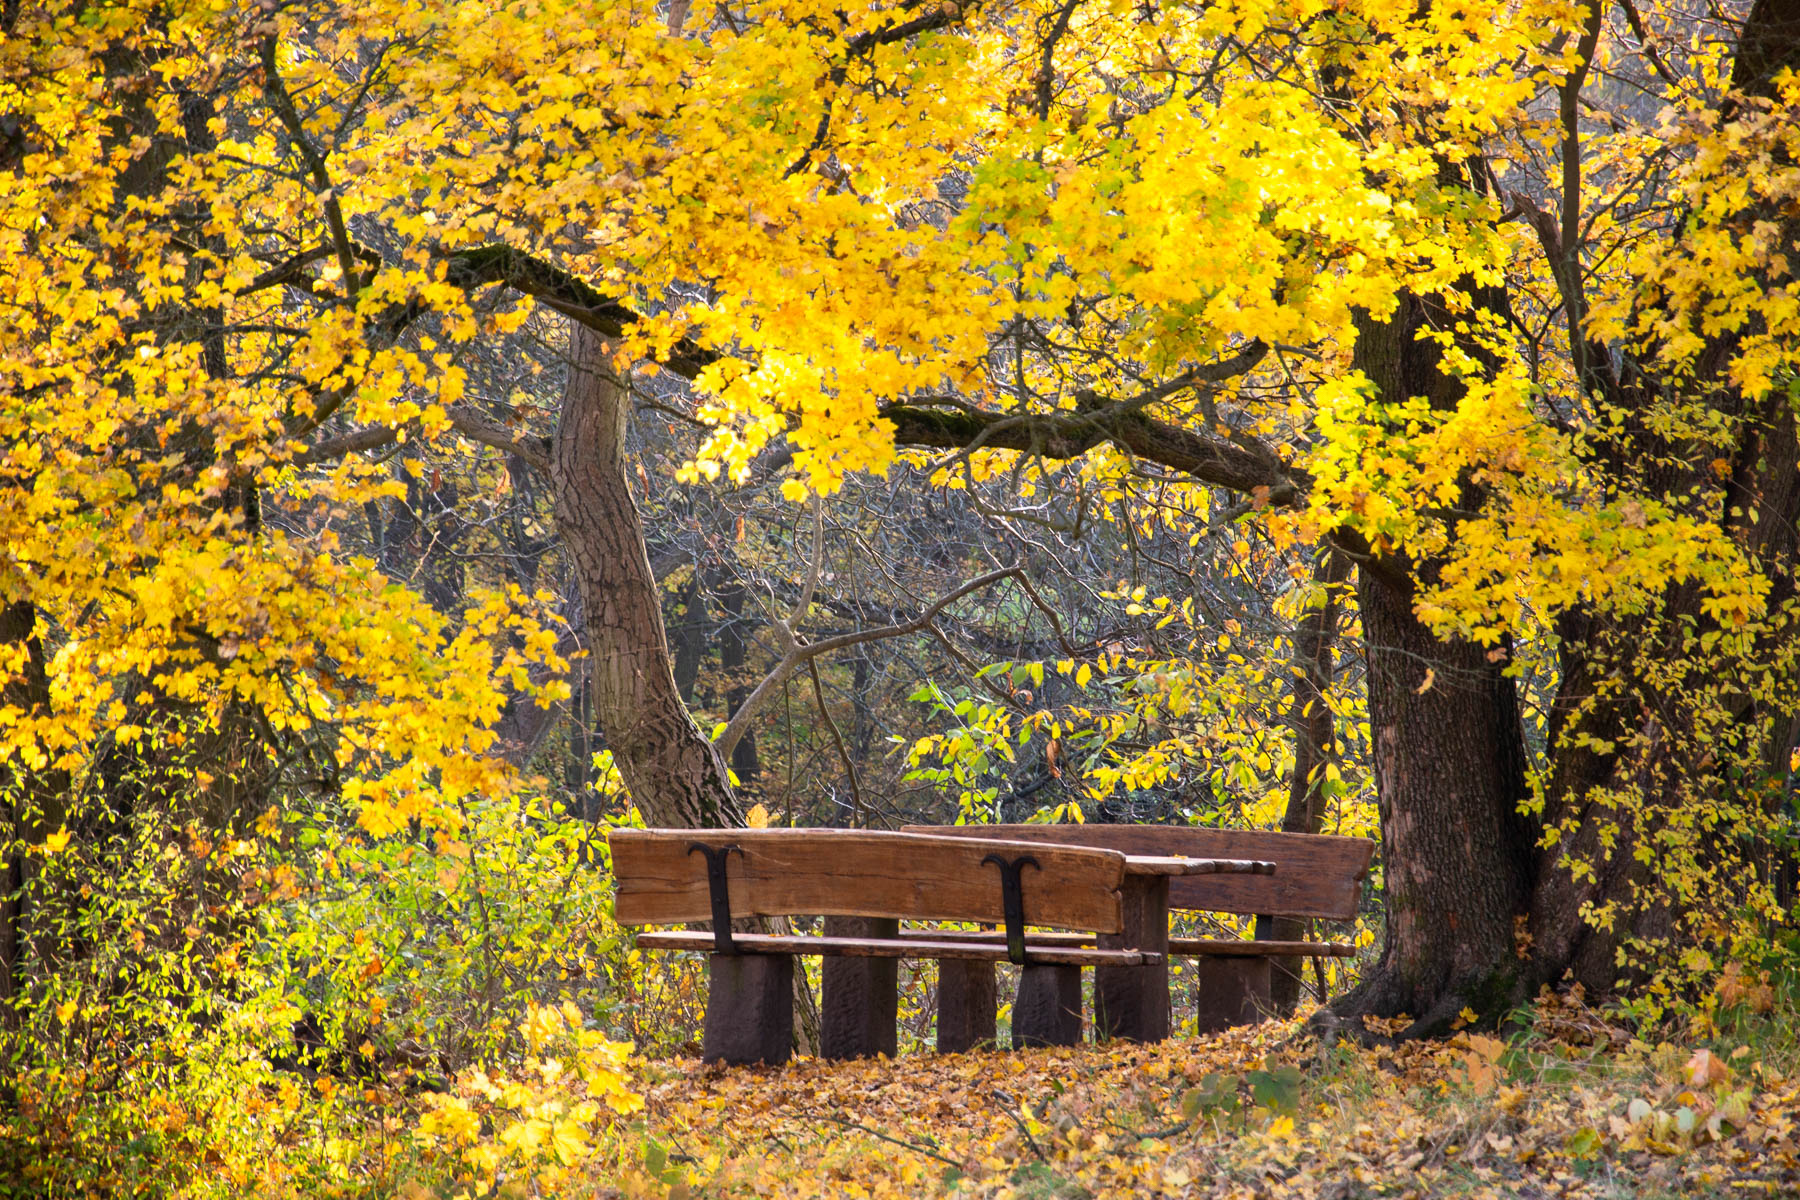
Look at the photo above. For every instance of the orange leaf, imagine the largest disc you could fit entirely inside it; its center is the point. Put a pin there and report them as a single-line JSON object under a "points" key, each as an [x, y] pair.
{"points": [[1705, 1069]]}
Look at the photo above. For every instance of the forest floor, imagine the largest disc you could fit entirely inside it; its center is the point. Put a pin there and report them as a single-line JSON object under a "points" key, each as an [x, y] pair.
{"points": [[1574, 1107]]}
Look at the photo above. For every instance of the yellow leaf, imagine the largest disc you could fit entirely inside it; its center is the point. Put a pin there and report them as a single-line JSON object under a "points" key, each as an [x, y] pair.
{"points": [[1430, 678], [57, 842], [757, 817]]}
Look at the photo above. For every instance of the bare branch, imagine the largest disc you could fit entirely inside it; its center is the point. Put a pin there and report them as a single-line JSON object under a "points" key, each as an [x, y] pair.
{"points": [[800, 652]]}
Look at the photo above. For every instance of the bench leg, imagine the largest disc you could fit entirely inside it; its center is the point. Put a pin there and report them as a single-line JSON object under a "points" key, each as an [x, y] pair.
{"points": [[858, 1015], [1133, 1002], [1232, 991], [749, 1009], [967, 999], [1048, 1010]]}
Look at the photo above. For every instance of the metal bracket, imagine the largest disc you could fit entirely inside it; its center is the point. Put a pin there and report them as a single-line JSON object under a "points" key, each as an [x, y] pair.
{"points": [[720, 888], [1012, 900]]}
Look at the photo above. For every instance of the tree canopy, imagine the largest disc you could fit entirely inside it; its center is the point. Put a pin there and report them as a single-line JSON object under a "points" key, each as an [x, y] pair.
{"points": [[1262, 411]]}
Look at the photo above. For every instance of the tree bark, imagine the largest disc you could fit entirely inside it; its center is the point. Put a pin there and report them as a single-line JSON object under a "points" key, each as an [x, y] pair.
{"points": [[1449, 757], [1450, 775], [668, 765], [34, 802]]}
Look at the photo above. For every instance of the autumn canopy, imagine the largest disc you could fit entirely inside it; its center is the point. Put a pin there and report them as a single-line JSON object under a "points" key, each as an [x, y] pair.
{"points": [[431, 432]]}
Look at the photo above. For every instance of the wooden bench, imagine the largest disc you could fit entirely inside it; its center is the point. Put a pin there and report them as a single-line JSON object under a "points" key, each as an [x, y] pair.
{"points": [[865, 884], [1315, 876]]}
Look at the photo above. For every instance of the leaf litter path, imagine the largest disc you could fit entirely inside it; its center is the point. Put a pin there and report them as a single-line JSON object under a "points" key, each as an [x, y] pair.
{"points": [[1257, 1112]]}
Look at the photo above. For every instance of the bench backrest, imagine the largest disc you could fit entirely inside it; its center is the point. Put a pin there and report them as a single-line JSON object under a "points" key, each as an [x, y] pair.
{"points": [[1316, 875], [663, 880]]}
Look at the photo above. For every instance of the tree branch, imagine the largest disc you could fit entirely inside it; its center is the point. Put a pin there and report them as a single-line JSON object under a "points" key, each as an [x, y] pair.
{"points": [[800, 652], [473, 425], [567, 294], [282, 104], [863, 44], [1242, 465]]}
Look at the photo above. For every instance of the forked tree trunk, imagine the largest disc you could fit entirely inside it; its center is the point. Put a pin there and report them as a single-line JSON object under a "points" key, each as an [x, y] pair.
{"points": [[1461, 861], [668, 765]]}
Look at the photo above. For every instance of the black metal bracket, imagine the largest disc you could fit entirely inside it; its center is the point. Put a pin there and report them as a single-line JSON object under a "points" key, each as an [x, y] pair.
{"points": [[720, 887], [1012, 900]]}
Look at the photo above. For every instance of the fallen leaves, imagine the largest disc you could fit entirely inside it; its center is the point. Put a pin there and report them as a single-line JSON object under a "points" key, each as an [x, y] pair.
{"points": [[1260, 1111]]}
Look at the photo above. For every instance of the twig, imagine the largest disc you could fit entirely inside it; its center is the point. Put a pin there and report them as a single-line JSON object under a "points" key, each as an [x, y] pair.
{"points": [[798, 652], [913, 1146], [1008, 1106]]}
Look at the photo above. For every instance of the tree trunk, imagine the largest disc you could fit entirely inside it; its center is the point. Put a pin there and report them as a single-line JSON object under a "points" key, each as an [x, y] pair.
{"points": [[668, 765], [1450, 772], [1449, 758], [33, 800], [690, 636]]}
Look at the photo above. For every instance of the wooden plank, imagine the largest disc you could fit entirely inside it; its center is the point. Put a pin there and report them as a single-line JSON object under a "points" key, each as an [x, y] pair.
{"points": [[1145, 864], [856, 873], [1220, 947], [1238, 948], [797, 944], [1316, 875], [1035, 937]]}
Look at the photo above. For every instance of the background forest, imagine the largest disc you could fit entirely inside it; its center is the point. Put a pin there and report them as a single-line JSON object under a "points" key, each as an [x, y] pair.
{"points": [[433, 434]]}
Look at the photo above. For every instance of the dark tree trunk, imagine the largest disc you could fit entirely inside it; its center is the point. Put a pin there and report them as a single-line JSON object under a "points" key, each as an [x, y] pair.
{"points": [[1450, 771], [33, 800], [1642, 710], [1449, 757], [1638, 710], [668, 764], [690, 637]]}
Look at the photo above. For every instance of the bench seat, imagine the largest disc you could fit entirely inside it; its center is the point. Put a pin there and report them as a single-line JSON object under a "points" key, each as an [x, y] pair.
{"points": [[1240, 948], [1057, 949], [1178, 946]]}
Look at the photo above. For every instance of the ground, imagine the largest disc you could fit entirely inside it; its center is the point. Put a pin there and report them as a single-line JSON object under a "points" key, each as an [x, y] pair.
{"points": [[1574, 1107]]}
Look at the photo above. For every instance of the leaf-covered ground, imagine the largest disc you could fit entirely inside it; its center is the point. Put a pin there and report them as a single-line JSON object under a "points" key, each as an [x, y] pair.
{"points": [[1265, 1112]]}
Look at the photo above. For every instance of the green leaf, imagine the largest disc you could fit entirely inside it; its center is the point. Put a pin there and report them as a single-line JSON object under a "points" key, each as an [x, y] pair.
{"points": [[1276, 1089]]}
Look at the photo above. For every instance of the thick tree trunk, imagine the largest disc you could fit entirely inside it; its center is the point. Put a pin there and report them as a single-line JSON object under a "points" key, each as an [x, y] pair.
{"points": [[674, 775], [1450, 772], [1449, 758], [1649, 729]]}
